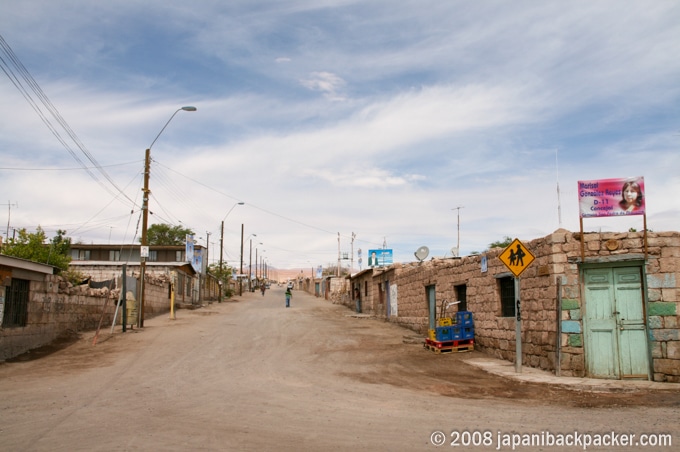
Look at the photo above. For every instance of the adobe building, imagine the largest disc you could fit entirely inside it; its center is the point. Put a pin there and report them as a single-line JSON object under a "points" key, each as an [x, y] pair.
{"points": [[164, 264], [614, 314]]}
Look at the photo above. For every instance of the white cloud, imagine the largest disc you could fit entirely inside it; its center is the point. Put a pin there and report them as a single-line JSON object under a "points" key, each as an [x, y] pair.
{"points": [[422, 108], [330, 84]]}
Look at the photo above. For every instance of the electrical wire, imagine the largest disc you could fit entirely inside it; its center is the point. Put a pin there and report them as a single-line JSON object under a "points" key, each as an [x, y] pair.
{"points": [[30, 85]]}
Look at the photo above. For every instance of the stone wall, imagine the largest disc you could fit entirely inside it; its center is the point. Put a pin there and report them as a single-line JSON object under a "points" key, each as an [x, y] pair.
{"points": [[553, 278], [56, 309]]}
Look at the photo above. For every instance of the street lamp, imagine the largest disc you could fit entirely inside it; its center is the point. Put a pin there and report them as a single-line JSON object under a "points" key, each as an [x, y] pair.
{"points": [[256, 279], [222, 230], [222, 242], [251, 258], [240, 278], [144, 252]]}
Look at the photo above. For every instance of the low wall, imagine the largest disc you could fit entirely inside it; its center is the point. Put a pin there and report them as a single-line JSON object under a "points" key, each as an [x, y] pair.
{"points": [[57, 309]]}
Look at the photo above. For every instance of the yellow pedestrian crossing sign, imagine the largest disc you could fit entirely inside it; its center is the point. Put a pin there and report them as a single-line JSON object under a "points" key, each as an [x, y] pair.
{"points": [[516, 257]]}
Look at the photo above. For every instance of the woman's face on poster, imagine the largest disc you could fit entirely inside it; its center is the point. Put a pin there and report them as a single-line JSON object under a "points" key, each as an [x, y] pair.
{"points": [[630, 194]]}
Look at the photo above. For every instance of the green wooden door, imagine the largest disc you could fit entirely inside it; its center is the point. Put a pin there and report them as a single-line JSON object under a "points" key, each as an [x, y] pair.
{"points": [[630, 320], [615, 332], [431, 305]]}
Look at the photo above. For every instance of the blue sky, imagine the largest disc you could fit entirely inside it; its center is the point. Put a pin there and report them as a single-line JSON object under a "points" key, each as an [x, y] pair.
{"points": [[377, 118]]}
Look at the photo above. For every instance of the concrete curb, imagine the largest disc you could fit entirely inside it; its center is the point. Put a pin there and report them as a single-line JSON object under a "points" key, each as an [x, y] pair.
{"points": [[531, 375]]}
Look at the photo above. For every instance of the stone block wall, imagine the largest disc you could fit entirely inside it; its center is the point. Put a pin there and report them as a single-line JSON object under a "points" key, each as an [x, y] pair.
{"points": [[663, 306], [57, 308], [554, 276]]}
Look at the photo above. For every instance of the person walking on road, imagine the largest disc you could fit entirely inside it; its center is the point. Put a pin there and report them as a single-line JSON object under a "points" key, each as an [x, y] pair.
{"points": [[262, 288], [289, 295], [357, 300]]}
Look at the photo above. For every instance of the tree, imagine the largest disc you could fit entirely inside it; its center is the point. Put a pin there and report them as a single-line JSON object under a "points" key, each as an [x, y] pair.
{"points": [[34, 247], [223, 275], [164, 234], [501, 243]]}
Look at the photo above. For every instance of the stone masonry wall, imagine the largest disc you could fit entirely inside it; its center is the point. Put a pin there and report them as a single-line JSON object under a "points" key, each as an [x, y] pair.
{"points": [[556, 268], [57, 308]]}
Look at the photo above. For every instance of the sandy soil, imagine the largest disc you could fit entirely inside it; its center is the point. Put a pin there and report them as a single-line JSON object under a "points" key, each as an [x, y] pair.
{"points": [[252, 375]]}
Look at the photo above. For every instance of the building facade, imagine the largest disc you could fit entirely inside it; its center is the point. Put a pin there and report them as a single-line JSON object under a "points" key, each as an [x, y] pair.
{"points": [[614, 314]]}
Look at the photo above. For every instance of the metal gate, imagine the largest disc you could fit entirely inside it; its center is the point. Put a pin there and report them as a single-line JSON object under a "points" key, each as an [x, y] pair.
{"points": [[16, 304]]}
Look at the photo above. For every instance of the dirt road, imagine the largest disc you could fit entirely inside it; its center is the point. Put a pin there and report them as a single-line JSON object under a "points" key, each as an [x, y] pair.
{"points": [[253, 375]]}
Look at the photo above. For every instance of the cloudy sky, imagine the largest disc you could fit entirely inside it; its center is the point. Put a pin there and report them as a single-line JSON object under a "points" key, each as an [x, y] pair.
{"points": [[405, 123]]}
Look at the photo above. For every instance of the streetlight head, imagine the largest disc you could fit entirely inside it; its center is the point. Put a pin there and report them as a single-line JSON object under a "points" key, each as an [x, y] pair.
{"points": [[189, 108], [241, 203]]}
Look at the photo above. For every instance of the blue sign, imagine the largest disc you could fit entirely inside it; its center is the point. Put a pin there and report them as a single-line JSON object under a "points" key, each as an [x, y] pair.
{"points": [[379, 258]]}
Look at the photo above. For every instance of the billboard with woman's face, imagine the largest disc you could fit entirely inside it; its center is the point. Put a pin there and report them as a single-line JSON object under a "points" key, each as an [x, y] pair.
{"points": [[611, 197]]}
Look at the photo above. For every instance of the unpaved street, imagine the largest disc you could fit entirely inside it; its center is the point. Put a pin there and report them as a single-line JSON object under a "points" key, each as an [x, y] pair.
{"points": [[253, 375]]}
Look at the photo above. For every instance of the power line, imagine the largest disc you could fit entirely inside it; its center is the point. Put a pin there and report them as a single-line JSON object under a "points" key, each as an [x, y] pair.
{"points": [[64, 169], [12, 61]]}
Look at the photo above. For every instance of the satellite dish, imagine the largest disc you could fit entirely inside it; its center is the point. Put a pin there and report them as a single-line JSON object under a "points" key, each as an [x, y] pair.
{"points": [[421, 253], [454, 251]]}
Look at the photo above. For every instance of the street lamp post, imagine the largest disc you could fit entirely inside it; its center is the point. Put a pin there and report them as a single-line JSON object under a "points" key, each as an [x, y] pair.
{"points": [[144, 252], [222, 243], [256, 261], [251, 255], [250, 266]]}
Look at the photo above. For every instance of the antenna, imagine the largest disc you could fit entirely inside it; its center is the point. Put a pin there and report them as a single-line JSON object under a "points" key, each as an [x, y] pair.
{"points": [[559, 204], [457, 252], [421, 253], [9, 214]]}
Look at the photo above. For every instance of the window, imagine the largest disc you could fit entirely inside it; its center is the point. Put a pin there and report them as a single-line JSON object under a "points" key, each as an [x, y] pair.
{"points": [[80, 255], [461, 295], [506, 287], [16, 304], [153, 256], [114, 255], [179, 256], [180, 284]]}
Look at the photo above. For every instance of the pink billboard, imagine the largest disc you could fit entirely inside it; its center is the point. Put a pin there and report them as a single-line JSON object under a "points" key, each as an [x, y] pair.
{"points": [[611, 197]]}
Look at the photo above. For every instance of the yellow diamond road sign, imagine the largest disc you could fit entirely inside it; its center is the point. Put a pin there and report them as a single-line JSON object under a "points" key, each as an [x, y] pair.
{"points": [[516, 257]]}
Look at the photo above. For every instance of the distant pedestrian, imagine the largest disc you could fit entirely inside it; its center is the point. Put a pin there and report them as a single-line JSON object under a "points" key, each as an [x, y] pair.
{"points": [[289, 295], [357, 300], [262, 288]]}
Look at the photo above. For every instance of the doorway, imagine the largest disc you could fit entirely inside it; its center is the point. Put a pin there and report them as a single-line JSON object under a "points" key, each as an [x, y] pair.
{"points": [[431, 305], [615, 327]]}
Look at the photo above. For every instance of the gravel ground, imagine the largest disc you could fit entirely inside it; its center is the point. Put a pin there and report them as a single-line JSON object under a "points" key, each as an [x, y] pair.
{"points": [[250, 374]]}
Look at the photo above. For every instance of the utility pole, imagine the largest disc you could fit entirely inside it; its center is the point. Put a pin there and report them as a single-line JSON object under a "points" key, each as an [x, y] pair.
{"points": [[206, 265], [240, 277], [351, 259], [207, 248], [338, 272], [9, 214], [221, 246], [144, 250], [250, 266]]}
